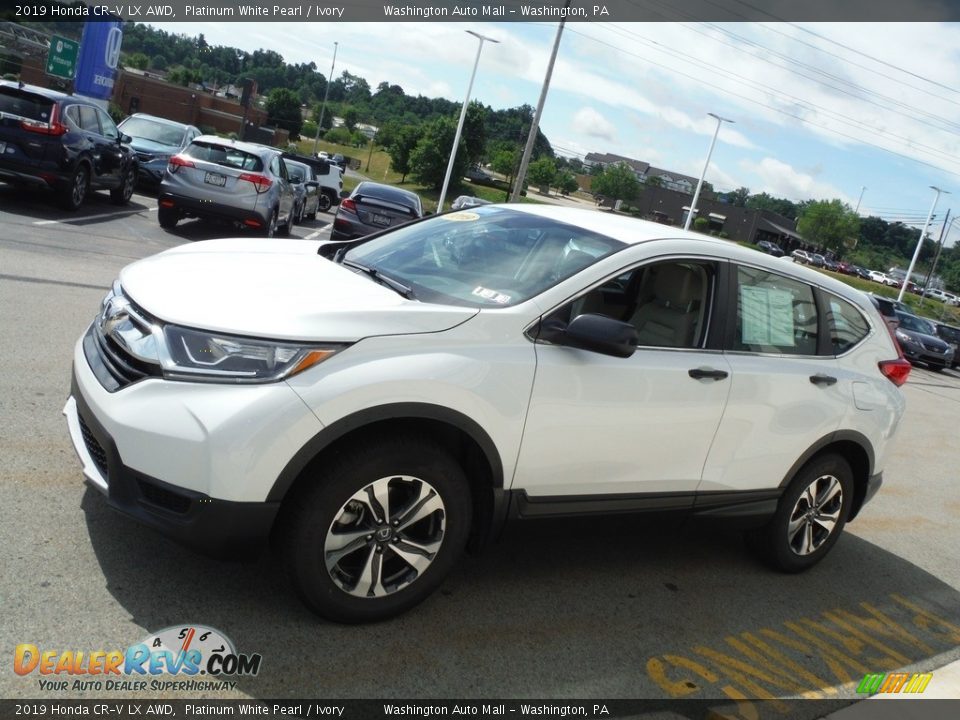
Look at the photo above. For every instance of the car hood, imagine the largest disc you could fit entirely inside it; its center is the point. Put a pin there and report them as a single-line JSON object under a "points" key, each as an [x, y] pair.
{"points": [[929, 341], [151, 146], [275, 289]]}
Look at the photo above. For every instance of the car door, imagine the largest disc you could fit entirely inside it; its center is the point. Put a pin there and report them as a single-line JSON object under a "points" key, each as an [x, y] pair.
{"points": [[786, 393], [628, 433], [287, 194]]}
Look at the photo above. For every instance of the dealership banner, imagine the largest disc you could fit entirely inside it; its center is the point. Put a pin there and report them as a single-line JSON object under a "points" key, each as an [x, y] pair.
{"points": [[99, 56]]}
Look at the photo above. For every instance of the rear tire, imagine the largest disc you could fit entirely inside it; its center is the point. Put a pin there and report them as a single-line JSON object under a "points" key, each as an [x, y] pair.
{"points": [[168, 217], [324, 202], [810, 516], [377, 530], [75, 191], [271, 229]]}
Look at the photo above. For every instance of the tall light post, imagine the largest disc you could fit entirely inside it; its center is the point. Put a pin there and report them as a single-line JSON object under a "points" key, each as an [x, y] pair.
{"points": [[696, 194], [923, 234], [856, 210], [326, 92], [463, 114]]}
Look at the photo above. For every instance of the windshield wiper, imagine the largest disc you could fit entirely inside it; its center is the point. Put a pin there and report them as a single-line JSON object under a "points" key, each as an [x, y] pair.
{"points": [[384, 280]]}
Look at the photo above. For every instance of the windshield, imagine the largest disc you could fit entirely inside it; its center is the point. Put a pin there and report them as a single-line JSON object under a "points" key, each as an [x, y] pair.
{"points": [[485, 257], [150, 130], [912, 322]]}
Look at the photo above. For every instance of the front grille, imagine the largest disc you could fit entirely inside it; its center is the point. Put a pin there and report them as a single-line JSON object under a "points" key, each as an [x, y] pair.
{"points": [[163, 498], [97, 453], [112, 363]]}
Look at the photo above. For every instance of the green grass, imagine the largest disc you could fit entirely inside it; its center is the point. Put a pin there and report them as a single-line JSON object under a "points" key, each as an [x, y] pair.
{"points": [[376, 166]]}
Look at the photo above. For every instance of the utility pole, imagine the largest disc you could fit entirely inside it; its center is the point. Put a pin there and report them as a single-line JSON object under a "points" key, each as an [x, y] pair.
{"points": [[326, 92]]}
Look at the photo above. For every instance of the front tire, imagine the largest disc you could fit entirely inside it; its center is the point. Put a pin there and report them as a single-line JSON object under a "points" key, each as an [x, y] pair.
{"points": [[377, 530], [122, 194], [810, 516]]}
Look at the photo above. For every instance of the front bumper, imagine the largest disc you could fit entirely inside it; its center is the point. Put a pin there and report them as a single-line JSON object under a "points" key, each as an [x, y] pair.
{"points": [[196, 466]]}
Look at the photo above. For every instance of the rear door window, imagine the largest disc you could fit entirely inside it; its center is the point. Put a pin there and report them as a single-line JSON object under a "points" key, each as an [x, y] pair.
{"points": [[88, 119], [775, 314], [25, 105]]}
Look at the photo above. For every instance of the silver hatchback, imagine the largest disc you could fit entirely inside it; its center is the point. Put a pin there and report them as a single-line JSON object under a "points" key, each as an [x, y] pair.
{"points": [[217, 178]]}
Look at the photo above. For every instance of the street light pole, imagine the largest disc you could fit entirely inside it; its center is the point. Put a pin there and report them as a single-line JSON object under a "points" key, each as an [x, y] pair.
{"points": [[856, 210], [326, 92], [696, 194], [923, 233], [463, 114]]}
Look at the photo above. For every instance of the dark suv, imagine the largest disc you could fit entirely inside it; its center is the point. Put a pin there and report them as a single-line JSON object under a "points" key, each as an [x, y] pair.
{"points": [[62, 142]]}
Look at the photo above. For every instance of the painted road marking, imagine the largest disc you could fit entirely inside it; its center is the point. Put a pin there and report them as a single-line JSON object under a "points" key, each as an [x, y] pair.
{"points": [[83, 219]]}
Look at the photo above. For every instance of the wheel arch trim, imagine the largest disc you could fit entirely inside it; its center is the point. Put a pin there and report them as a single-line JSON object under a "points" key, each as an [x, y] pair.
{"points": [[841, 438], [369, 416]]}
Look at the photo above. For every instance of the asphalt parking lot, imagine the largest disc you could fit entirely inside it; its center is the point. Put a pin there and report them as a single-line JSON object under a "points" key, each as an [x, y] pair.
{"points": [[600, 609]]}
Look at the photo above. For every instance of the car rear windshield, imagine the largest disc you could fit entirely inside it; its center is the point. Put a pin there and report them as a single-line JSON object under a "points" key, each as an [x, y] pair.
{"points": [[484, 257], [21, 104], [224, 155]]}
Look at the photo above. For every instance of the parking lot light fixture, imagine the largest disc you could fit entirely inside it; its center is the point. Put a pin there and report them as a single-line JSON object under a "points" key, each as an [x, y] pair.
{"points": [[696, 195], [463, 114], [326, 93], [923, 234]]}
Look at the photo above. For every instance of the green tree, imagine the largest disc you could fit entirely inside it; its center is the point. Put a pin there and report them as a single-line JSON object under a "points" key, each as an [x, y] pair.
{"points": [[738, 197], [405, 139], [138, 61], [337, 136], [566, 182], [616, 182], [764, 201], [654, 181], [283, 109], [428, 161], [829, 224], [158, 62], [474, 132], [541, 173], [351, 116], [505, 162]]}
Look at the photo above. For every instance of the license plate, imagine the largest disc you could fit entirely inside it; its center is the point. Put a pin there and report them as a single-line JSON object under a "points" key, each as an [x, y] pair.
{"points": [[215, 179], [379, 219]]}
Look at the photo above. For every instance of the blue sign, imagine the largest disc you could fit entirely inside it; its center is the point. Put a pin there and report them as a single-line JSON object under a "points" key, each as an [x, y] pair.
{"points": [[99, 55]]}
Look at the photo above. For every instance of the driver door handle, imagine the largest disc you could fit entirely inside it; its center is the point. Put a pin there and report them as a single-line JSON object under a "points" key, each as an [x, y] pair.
{"points": [[823, 380], [707, 374]]}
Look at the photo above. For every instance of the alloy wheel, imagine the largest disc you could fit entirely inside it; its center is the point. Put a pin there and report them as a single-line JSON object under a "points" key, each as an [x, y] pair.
{"points": [[815, 515], [385, 536]]}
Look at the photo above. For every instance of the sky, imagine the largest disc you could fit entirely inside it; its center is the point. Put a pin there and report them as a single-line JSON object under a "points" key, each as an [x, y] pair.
{"points": [[821, 110]]}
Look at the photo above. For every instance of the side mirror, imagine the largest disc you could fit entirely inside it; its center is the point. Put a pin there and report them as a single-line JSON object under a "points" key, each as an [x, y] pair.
{"points": [[124, 139], [600, 334], [312, 183]]}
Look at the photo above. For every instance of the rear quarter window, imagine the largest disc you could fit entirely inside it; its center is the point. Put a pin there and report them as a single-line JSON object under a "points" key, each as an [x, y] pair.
{"points": [[847, 324]]}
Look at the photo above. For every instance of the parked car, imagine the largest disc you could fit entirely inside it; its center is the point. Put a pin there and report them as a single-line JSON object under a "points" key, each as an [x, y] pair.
{"points": [[339, 160], [372, 207], [155, 140], [467, 201], [859, 272], [770, 248], [216, 178], [950, 334], [374, 404], [831, 265], [919, 342], [817, 260], [64, 143], [307, 190], [883, 278], [801, 256], [478, 175], [327, 175]]}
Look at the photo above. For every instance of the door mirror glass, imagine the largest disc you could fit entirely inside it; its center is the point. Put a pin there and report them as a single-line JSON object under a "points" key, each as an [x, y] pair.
{"points": [[600, 334]]}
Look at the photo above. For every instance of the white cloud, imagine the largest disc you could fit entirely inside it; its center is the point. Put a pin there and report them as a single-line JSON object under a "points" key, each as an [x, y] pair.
{"points": [[592, 124], [782, 180]]}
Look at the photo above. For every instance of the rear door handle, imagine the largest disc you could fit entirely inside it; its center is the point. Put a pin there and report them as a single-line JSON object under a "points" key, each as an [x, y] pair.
{"points": [[824, 380], [707, 374]]}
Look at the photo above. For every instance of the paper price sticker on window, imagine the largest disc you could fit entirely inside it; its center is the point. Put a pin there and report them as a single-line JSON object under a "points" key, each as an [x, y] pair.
{"points": [[491, 295]]}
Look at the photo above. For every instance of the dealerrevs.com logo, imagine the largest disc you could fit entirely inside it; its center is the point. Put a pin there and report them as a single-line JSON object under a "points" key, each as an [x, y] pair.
{"points": [[180, 650]]}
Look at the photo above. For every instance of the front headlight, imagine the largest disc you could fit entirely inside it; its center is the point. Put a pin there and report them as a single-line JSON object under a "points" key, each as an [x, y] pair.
{"points": [[904, 338], [197, 355]]}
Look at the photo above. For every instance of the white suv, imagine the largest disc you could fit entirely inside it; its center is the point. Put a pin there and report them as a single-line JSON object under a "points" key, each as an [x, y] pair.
{"points": [[373, 404]]}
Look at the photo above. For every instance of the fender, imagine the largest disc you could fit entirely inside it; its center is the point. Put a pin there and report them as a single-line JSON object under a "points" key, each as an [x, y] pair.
{"points": [[368, 416], [851, 436]]}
